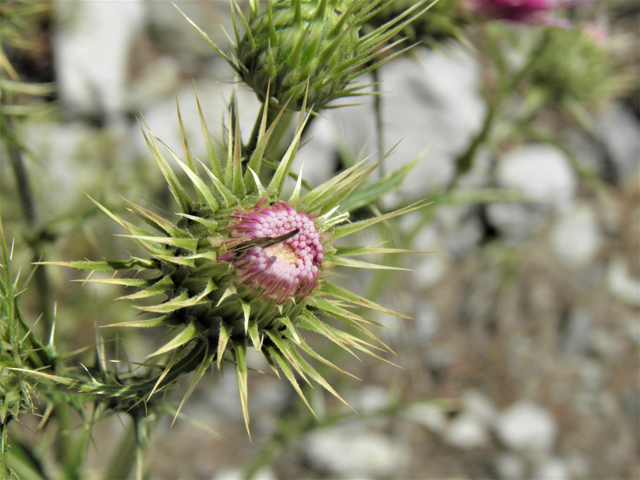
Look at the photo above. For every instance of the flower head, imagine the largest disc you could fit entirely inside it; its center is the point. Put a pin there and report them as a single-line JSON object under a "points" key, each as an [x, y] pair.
{"points": [[519, 11], [242, 267], [280, 251]]}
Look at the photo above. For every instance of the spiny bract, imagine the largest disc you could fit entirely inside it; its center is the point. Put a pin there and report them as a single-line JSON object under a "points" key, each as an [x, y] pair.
{"points": [[316, 42], [243, 267]]}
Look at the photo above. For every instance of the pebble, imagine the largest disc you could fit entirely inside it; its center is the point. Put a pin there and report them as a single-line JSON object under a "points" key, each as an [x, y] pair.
{"points": [[345, 453], [236, 473], [620, 133], [551, 469], [541, 172], [621, 284], [428, 415], [95, 30], [576, 236], [510, 466], [525, 426], [466, 432]]}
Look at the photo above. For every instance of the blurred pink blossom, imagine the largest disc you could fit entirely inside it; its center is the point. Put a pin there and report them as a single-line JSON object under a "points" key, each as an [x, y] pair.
{"points": [[521, 11]]}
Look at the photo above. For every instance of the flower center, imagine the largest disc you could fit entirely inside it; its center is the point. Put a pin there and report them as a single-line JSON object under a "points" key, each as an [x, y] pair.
{"points": [[281, 252]]}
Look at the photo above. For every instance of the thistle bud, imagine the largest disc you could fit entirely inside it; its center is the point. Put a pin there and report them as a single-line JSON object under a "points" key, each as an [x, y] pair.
{"points": [[443, 20], [313, 47], [243, 267]]}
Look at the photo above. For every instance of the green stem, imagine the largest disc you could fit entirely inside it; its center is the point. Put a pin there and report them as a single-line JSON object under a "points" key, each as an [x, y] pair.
{"points": [[25, 193], [377, 108]]}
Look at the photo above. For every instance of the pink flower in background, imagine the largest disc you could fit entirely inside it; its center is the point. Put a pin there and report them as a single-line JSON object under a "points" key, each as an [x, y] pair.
{"points": [[521, 11]]}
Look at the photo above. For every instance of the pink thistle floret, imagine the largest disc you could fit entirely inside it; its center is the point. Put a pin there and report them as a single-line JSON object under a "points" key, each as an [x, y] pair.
{"points": [[276, 248], [520, 11]]}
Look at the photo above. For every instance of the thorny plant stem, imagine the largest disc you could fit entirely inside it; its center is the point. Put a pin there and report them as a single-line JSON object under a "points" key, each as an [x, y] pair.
{"points": [[25, 194], [377, 108]]}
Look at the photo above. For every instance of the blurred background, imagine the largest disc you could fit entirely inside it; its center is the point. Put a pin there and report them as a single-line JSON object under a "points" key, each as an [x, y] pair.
{"points": [[522, 358]]}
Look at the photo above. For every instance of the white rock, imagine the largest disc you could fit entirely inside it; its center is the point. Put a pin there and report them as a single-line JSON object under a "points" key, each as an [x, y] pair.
{"points": [[92, 50], [425, 322], [348, 454], [620, 131], [541, 172], [428, 415], [579, 331], [510, 467], [214, 99], [527, 426], [516, 221], [551, 469], [233, 473], [466, 431], [431, 266], [621, 284], [480, 406], [430, 101], [576, 236]]}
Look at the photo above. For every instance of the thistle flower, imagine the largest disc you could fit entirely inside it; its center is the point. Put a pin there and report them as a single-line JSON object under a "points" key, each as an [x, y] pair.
{"points": [[574, 66], [242, 267], [520, 11], [316, 42]]}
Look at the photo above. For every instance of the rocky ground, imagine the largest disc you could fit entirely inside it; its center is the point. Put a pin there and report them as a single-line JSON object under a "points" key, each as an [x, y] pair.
{"points": [[522, 360]]}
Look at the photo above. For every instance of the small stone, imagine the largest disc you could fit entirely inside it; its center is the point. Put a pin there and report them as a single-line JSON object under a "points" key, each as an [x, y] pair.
{"points": [[551, 469], [541, 172], [619, 131], [527, 426], [234, 473], [621, 284], [428, 415], [425, 321], [466, 431], [510, 466], [576, 236], [345, 453], [480, 406]]}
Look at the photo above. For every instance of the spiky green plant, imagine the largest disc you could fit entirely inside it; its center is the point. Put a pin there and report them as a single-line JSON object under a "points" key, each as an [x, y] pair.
{"points": [[242, 267], [445, 20], [316, 42]]}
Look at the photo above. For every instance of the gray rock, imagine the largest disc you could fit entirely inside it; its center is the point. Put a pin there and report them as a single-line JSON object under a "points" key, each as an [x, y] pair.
{"points": [[576, 236], [577, 338], [551, 469], [528, 427], [510, 466], [620, 133], [431, 101], [621, 284], [427, 414], [345, 453], [237, 473], [466, 431], [480, 406], [425, 322], [542, 172], [92, 47]]}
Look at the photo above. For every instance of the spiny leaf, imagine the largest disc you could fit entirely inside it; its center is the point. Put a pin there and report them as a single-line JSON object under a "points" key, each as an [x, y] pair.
{"points": [[189, 333], [216, 166], [240, 354], [344, 230], [349, 262], [202, 367], [282, 363], [223, 339], [345, 294]]}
